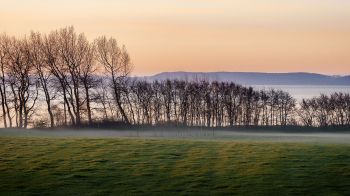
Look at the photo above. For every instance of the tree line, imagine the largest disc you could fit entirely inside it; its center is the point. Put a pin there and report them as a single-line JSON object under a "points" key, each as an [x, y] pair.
{"points": [[323, 111], [63, 79]]}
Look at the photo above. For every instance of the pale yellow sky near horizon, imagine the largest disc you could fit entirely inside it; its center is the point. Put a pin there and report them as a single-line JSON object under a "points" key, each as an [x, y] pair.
{"points": [[202, 35]]}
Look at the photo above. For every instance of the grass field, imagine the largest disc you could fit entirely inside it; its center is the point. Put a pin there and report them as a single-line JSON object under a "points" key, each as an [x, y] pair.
{"points": [[58, 166]]}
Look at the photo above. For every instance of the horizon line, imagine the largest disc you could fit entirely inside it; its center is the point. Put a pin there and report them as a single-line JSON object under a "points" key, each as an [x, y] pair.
{"points": [[260, 72]]}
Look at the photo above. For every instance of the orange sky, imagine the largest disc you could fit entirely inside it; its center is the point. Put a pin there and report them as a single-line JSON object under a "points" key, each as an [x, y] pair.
{"points": [[203, 35]]}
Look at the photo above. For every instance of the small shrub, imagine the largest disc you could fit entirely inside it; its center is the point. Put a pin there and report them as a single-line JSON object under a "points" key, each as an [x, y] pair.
{"points": [[40, 124]]}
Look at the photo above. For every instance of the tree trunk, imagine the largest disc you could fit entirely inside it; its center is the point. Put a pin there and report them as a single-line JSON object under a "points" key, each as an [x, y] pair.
{"points": [[117, 98], [88, 103], [3, 107]]}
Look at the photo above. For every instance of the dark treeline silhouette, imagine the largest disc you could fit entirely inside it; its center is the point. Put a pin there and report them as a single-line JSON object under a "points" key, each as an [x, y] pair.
{"points": [[207, 104], [323, 111], [63, 79], [225, 104]]}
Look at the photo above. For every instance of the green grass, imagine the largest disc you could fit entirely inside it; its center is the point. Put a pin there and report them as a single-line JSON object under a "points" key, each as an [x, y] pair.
{"points": [[135, 166]]}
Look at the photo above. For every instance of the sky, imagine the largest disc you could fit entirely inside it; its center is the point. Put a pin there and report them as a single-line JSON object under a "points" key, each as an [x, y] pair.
{"points": [[202, 35]]}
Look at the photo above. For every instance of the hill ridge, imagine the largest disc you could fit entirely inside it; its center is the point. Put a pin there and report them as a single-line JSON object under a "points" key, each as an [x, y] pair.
{"points": [[255, 78]]}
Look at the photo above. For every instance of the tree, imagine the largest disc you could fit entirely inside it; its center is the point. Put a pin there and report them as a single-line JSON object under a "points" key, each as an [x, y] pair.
{"points": [[54, 63], [116, 62], [5, 45], [23, 83], [74, 51], [87, 77], [43, 72]]}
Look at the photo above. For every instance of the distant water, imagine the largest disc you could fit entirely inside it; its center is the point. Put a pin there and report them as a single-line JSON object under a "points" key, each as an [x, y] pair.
{"points": [[300, 92]]}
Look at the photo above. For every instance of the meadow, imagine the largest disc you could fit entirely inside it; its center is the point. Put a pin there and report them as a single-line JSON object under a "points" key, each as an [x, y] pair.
{"points": [[143, 166]]}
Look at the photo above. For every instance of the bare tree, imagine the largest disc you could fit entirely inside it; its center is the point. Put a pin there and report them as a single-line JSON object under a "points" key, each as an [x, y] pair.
{"points": [[24, 84], [51, 51], [5, 45], [116, 62], [43, 72], [88, 68]]}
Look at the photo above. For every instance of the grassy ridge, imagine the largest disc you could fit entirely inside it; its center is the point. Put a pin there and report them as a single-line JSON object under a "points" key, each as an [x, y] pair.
{"points": [[135, 166]]}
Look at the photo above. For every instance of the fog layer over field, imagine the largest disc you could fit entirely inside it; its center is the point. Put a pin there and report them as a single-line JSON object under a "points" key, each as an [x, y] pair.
{"points": [[237, 135]]}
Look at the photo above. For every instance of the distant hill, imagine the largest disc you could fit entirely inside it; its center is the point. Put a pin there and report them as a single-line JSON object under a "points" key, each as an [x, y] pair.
{"points": [[255, 78]]}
